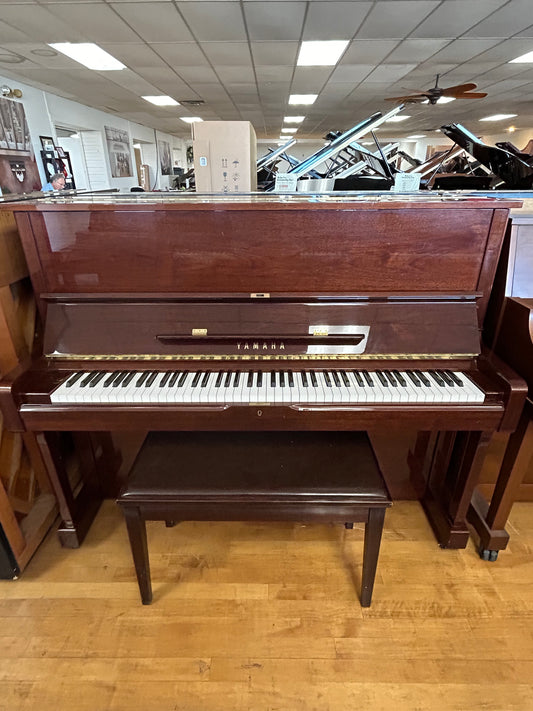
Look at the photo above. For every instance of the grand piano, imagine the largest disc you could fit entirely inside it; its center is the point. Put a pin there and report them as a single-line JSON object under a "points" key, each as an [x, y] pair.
{"points": [[264, 312]]}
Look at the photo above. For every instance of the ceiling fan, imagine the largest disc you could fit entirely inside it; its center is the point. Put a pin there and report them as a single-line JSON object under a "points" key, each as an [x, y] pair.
{"points": [[461, 91]]}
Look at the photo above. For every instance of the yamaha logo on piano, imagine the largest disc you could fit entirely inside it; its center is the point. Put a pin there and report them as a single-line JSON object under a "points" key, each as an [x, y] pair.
{"points": [[257, 346]]}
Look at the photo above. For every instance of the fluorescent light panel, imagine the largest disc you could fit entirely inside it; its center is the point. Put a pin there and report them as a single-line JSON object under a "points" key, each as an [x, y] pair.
{"points": [[293, 119], [161, 100], [498, 117], [191, 119], [303, 98], [397, 119], [417, 135], [90, 55], [523, 59], [289, 130], [321, 54]]}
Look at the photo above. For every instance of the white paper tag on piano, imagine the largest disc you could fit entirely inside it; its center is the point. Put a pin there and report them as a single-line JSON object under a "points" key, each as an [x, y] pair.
{"points": [[358, 333], [285, 183], [406, 182]]}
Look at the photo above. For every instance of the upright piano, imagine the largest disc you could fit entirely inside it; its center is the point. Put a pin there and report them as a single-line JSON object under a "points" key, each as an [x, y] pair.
{"points": [[266, 312]]}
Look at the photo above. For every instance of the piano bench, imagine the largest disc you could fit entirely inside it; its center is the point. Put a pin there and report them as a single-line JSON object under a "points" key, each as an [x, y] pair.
{"points": [[255, 476]]}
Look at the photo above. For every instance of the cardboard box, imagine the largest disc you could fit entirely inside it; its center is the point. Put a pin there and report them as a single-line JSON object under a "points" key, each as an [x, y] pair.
{"points": [[225, 156]]}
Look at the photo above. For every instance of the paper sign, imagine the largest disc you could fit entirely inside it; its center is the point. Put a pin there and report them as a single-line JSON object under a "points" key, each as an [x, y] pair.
{"points": [[406, 182], [285, 183]]}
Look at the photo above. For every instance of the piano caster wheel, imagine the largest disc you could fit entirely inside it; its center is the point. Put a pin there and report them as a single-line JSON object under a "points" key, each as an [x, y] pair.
{"points": [[488, 554], [170, 524], [348, 525]]}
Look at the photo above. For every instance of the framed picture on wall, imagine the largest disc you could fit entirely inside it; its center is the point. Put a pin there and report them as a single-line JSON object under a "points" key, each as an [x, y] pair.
{"points": [[60, 152], [47, 143]]}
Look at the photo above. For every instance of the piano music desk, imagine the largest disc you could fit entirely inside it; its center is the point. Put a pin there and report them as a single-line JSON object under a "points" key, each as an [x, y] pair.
{"points": [[243, 476]]}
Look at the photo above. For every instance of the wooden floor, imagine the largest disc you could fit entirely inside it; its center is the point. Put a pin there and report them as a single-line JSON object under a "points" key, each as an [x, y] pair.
{"points": [[266, 617]]}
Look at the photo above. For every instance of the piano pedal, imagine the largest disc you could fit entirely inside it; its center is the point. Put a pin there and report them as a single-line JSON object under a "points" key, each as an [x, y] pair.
{"points": [[487, 554]]}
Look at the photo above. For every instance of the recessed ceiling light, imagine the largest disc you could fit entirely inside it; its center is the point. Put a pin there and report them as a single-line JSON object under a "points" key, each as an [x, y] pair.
{"points": [[523, 59], [289, 130], [161, 100], [498, 117], [293, 119], [417, 135], [191, 119], [321, 54], [302, 98], [90, 55], [397, 119]]}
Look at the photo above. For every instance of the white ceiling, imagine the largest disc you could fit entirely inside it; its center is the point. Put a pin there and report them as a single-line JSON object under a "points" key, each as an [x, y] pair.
{"points": [[239, 56]]}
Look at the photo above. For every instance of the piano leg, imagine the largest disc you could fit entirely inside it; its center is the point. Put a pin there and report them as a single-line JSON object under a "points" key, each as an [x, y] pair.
{"points": [[457, 459], [489, 520], [77, 510]]}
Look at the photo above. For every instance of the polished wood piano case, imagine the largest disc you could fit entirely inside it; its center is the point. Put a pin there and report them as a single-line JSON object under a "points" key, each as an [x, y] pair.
{"points": [[291, 284]]}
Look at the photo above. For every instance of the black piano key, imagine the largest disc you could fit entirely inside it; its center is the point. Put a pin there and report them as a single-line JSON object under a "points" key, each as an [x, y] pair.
{"points": [[205, 379], [259, 379], [290, 378], [142, 377], [304, 379], [390, 377], [218, 381], [327, 379], [117, 381], [436, 377], [382, 379], [314, 381], [423, 378], [359, 379], [227, 380], [368, 378], [455, 379], [336, 378], [196, 378], [97, 379], [164, 380], [73, 378], [345, 378], [250, 379], [87, 379], [399, 377], [449, 381], [282, 378], [414, 378], [272, 378], [182, 378], [151, 378], [236, 378], [175, 375], [127, 380], [110, 378]]}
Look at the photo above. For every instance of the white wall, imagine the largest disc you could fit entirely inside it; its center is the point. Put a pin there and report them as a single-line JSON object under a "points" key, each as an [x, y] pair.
{"points": [[45, 110]]}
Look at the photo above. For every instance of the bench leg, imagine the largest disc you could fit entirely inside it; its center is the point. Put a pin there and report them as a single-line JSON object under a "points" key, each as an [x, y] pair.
{"points": [[139, 549], [373, 531]]}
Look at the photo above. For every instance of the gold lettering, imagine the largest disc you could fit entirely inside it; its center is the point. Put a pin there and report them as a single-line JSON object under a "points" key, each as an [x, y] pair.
{"points": [[238, 346], [246, 347], [281, 347], [265, 346], [272, 346]]}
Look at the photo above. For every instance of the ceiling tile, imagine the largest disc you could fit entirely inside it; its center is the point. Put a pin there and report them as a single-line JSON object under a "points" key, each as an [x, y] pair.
{"points": [[395, 19], [214, 21], [368, 51], [331, 20], [353, 73], [95, 22], [390, 72], [415, 50], [273, 74], [277, 53], [227, 53], [274, 20], [39, 24], [461, 50], [454, 17], [154, 21], [197, 75], [309, 80], [179, 54], [234, 74], [514, 17], [133, 54]]}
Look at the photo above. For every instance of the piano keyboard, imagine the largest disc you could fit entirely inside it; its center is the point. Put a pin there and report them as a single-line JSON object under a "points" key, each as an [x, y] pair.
{"points": [[267, 387]]}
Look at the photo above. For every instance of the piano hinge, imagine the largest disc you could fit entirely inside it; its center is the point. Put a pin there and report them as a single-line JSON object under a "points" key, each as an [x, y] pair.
{"points": [[259, 295]]}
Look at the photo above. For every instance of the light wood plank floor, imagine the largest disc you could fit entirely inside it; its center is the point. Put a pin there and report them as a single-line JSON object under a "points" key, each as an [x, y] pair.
{"points": [[266, 617]]}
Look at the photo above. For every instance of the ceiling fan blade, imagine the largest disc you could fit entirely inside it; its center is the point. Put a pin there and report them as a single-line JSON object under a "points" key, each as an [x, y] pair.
{"points": [[460, 88], [413, 98], [471, 95]]}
